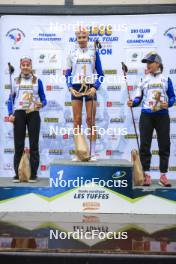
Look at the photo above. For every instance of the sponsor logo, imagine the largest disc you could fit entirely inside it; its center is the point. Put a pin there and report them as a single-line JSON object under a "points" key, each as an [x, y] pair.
{"points": [[173, 119], [110, 152], [7, 86], [9, 134], [69, 120], [105, 51], [91, 206], [53, 105], [90, 219], [53, 58], [110, 72], [114, 104], [43, 168], [117, 120], [51, 120], [8, 150], [134, 57], [172, 168], [66, 136], [6, 119], [41, 58], [71, 151], [47, 135], [171, 36], [132, 87], [154, 168], [132, 72], [68, 103], [8, 167], [114, 88], [55, 151], [53, 88], [130, 136], [46, 37], [49, 72], [100, 31], [173, 136], [141, 36], [155, 152], [172, 71], [16, 37], [119, 174]]}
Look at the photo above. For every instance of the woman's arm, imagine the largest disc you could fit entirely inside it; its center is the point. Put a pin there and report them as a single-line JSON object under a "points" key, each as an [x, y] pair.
{"points": [[11, 99], [100, 74], [137, 100], [10, 103], [41, 93], [68, 72], [170, 93], [138, 97]]}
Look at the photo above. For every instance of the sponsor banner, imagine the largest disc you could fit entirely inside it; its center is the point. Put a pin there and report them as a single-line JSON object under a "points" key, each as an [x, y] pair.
{"points": [[48, 40]]}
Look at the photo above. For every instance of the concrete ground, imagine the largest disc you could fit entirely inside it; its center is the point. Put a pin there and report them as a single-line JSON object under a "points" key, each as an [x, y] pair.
{"points": [[7, 182]]}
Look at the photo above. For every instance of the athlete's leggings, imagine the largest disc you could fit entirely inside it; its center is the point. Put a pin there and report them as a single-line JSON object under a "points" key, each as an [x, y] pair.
{"points": [[32, 121], [161, 123]]}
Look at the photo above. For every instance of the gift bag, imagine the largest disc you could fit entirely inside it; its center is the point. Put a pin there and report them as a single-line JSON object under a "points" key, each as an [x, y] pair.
{"points": [[24, 169], [138, 175], [81, 147]]}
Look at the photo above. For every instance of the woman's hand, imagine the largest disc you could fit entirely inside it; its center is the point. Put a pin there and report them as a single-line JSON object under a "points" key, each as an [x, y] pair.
{"points": [[164, 105], [11, 118], [74, 92], [130, 103], [38, 105], [91, 91]]}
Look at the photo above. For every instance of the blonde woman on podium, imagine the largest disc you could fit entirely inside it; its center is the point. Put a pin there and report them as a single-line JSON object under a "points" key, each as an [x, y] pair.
{"points": [[84, 76]]}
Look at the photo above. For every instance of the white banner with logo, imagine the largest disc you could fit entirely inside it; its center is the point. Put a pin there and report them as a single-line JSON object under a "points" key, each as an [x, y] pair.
{"points": [[48, 39]]}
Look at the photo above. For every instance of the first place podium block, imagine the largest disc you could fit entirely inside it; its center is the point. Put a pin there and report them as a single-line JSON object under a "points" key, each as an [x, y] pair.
{"points": [[104, 186]]}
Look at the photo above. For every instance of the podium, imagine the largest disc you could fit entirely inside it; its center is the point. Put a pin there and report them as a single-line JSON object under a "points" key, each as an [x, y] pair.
{"points": [[104, 186]]}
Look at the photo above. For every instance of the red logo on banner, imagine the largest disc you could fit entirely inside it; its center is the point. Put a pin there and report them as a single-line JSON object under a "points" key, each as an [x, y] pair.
{"points": [[130, 88], [48, 87], [109, 104], [43, 168], [6, 119], [65, 136], [108, 152]]}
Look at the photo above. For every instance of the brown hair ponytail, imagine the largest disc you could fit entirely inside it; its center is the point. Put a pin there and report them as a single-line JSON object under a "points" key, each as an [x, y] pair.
{"points": [[161, 67]]}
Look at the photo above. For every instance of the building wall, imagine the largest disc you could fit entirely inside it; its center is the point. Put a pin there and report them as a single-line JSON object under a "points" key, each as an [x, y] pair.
{"points": [[86, 2]]}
